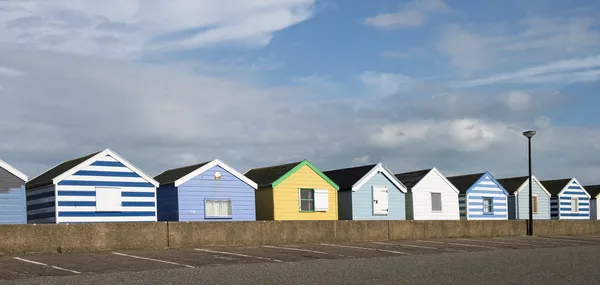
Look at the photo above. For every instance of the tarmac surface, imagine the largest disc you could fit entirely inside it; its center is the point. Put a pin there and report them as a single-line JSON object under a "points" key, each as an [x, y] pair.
{"points": [[507, 260]]}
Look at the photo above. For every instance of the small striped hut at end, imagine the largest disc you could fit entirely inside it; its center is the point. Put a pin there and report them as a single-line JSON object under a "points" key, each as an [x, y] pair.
{"points": [[12, 195], [100, 187], [481, 197], [594, 191], [570, 201]]}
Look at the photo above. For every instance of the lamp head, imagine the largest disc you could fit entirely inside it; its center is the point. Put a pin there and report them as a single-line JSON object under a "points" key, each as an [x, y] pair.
{"points": [[529, 134]]}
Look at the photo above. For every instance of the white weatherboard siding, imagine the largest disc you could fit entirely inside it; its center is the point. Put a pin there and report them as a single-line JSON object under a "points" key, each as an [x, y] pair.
{"points": [[433, 182], [76, 195], [521, 201]]}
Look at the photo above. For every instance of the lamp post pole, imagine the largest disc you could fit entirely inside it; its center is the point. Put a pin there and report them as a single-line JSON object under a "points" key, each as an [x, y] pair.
{"points": [[529, 135]]}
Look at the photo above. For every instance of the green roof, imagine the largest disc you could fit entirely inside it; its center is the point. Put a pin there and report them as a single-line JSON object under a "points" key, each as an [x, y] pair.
{"points": [[272, 176]]}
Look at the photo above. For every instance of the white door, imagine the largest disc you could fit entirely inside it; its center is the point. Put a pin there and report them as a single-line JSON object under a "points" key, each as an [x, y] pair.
{"points": [[380, 200]]}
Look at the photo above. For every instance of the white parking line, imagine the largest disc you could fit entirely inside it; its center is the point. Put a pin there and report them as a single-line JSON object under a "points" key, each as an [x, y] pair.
{"points": [[406, 245], [43, 264], [530, 240], [237, 254], [152, 259], [459, 244], [564, 239], [364, 248], [422, 246], [491, 241], [585, 238], [305, 250]]}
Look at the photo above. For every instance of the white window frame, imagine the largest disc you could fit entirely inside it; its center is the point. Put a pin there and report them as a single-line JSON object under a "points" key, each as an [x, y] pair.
{"points": [[109, 200], [576, 208], [212, 200], [441, 202], [491, 199]]}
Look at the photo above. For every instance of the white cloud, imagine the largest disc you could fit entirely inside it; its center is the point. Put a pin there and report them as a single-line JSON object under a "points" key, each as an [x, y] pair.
{"points": [[400, 19], [464, 135], [467, 51], [518, 100], [386, 84], [539, 38], [128, 29], [413, 14], [8, 72], [558, 71], [542, 122], [401, 54]]}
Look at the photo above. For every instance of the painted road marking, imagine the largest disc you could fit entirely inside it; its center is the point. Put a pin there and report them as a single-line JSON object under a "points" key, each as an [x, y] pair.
{"points": [[152, 259], [585, 238], [529, 240], [491, 241], [459, 244], [237, 254], [564, 239], [406, 245], [305, 250], [46, 265], [421, 246], [364, 248]]}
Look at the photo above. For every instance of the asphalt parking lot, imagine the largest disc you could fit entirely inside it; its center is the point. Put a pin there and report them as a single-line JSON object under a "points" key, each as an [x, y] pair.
{"points": [[65, 264]]}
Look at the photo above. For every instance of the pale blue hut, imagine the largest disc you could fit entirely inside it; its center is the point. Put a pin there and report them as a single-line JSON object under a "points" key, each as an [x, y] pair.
{"points": [[518, 199], [369, 192], [13, 206]]}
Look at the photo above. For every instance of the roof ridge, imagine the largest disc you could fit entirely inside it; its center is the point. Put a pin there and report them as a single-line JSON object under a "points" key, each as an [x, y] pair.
{"points": [[265, 167], [353, 167]]}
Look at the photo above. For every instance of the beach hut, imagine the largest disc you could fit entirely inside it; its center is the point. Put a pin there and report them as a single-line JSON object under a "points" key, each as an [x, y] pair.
{"points": [[569, 200], [294, 191], [369, 192], [430, 195], [100, 187], [481, 197], [210, 191], [518, 198], [13, 208], [594, 191]]}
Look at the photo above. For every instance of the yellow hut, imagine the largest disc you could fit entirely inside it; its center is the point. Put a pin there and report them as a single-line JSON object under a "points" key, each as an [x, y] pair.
{"points": [[294, 191]]}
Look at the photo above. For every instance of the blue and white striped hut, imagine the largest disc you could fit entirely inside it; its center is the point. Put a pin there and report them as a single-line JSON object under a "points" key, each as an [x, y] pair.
{"points": [[100, 187], [569, 201], [481, 197]]}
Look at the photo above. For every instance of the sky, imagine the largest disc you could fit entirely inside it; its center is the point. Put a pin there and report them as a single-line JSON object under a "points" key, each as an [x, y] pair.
{"points": [[412, 84]]}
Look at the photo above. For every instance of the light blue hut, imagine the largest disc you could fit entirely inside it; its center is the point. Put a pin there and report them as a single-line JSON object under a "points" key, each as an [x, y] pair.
{"points": [[369, 192], [13, 207], [518, 199]]}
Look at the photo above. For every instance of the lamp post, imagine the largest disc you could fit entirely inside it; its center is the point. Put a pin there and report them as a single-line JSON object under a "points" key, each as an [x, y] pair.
{"points": [[529, 135]]}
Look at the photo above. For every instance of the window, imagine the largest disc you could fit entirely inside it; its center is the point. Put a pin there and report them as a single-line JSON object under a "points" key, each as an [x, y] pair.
{"points": [[436, 202], [488, 207], [535, 204], [574, 204], [307, 200], [217, 208], [108, 199]]}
